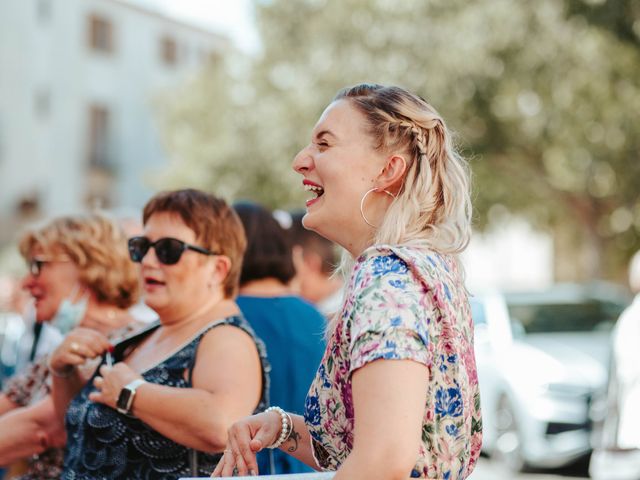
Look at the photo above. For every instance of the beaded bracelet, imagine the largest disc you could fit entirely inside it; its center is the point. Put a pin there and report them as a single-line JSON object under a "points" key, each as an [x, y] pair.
{"points": [[285, 429]]}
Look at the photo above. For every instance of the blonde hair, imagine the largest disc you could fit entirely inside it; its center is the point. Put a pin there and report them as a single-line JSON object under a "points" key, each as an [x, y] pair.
{"points": [[97, 246], [433, 206]]}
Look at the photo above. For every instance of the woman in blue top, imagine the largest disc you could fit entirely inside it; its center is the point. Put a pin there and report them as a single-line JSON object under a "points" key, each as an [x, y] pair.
{"points": [[291, 328], [162, 410]]}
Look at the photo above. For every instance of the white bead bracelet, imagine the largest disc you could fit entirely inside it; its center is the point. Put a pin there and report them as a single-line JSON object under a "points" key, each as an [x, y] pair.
{"points": [[285, 429]]}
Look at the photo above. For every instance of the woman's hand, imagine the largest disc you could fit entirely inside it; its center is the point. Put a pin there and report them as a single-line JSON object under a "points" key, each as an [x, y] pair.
{"points": [[110, 382], [80, 345], [246, 438]]}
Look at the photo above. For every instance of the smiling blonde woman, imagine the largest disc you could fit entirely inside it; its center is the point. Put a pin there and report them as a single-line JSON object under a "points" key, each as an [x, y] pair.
{"points": [[396, 395]]}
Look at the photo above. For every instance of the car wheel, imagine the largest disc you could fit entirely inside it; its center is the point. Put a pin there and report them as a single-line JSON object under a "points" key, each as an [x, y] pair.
{"points": [[508, 448]]}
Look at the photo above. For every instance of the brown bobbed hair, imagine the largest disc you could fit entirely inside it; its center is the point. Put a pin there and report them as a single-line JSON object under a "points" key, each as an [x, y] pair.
{"points": [[216, 225], [97, 245]]}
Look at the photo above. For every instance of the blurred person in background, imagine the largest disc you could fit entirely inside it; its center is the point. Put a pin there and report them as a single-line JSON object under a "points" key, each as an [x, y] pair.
{"points": [[39, 336], [13, 307], [164, 408], [396, 394], [79, 274], [291, 328], [315, 260], [617, 452]]}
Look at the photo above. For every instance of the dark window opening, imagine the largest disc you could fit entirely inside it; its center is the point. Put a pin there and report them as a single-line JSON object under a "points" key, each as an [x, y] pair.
{"points": [[99, 154], [169, 50], [100, 34]]}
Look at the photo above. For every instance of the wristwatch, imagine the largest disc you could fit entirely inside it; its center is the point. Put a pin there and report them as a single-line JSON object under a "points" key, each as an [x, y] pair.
{"points": [[125, 399]]}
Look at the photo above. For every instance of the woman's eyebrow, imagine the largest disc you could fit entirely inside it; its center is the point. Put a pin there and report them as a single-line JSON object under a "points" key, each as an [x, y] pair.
{"points": [[325, 132]]}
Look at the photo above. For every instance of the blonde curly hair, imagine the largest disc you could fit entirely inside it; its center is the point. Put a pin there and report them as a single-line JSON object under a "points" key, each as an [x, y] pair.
{"points": [[433, 206], [97, 246]]}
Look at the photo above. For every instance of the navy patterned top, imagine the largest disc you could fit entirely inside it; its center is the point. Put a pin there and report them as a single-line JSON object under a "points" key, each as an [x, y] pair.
{"points": [[105, 444]]}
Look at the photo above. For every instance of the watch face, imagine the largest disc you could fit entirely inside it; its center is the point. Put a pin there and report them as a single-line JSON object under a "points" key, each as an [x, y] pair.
{"points": [[124, 400]]}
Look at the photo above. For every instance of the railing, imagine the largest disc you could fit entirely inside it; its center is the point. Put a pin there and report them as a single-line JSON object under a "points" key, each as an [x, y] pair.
{"points": [[292, 476]]}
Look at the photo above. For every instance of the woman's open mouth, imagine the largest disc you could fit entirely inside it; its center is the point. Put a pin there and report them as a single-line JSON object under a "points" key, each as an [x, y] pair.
{"points": [[150, 283], [315, 189]]}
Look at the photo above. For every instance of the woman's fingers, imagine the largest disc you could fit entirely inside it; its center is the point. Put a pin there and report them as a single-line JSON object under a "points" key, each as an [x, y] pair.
{"points": [[85, 343], [98, 382], [97, 395], [229, 464], [251, 435], [81, 350], [267, 429], [90, 343], [241, 465], [70, 358], [78, 346], [226, 464], [241, 444], [216, 471], [247, 437]]}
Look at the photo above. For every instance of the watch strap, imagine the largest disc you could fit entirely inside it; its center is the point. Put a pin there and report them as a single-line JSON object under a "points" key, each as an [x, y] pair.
{"points": [[135, 384]]}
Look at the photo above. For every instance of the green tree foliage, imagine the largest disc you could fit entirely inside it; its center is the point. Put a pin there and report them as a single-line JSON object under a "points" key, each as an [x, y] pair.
{"points": [[620, 17], [544, 101]]}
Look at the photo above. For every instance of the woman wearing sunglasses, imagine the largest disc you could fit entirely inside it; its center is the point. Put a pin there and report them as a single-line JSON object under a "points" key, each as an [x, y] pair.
{"points": [[160, 404], [79, 273]]}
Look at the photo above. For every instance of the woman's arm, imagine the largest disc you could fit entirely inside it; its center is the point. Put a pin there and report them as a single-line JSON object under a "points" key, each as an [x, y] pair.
{"points": [[30, 430], [63, 390], [299, 443], [227, 381], [389, 398]]}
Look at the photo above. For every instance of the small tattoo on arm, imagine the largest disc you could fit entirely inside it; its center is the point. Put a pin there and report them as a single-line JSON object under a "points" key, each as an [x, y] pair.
{"points": [[294, 437]]}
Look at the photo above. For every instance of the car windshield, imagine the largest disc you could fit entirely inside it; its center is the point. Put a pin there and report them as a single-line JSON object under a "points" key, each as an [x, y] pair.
{"points": [[587, 316]]}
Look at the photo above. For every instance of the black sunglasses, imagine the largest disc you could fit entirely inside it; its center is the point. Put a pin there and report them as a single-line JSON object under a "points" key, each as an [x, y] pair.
{"points": [[35, 264], [168, 250]]}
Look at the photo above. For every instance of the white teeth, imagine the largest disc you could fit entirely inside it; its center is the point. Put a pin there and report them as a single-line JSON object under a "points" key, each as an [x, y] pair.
{"points": [[313, 188]]}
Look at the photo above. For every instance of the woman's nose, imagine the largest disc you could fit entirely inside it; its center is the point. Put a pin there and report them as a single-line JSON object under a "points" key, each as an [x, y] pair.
{"points": [[150, 259], [28, 281], [303, 161]]}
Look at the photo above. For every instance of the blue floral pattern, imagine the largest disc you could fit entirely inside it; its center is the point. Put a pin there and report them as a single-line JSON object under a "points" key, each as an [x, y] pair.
{"points": [[403, 303]]}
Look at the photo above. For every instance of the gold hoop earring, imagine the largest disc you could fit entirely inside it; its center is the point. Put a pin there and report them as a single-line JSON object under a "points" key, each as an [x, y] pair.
{"points": [[362, 204]]}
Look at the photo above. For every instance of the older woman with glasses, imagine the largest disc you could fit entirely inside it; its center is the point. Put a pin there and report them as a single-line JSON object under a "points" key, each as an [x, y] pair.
{"points": [[161, 402], [79, 273]]}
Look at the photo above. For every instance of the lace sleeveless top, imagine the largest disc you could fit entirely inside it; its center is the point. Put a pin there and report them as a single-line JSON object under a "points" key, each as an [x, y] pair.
{"points": [[105, 444]]}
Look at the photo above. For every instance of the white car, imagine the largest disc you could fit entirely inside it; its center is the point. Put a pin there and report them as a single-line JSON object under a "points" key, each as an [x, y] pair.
{"points": [[541, 357]]}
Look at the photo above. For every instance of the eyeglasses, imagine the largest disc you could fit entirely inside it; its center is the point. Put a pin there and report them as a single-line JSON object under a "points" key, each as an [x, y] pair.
{"points": [[168, 250], [35, 264]]}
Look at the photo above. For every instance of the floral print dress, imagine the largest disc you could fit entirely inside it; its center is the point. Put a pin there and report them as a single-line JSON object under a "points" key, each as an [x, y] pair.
{"points": [[403, 303]]}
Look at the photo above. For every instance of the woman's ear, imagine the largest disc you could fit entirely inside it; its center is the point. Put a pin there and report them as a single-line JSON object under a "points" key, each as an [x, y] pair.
{"points": [[393, 172], [221, 267]]}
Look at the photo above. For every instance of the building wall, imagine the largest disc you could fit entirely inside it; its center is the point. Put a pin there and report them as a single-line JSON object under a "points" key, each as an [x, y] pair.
{"points": [[49, 79]]}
